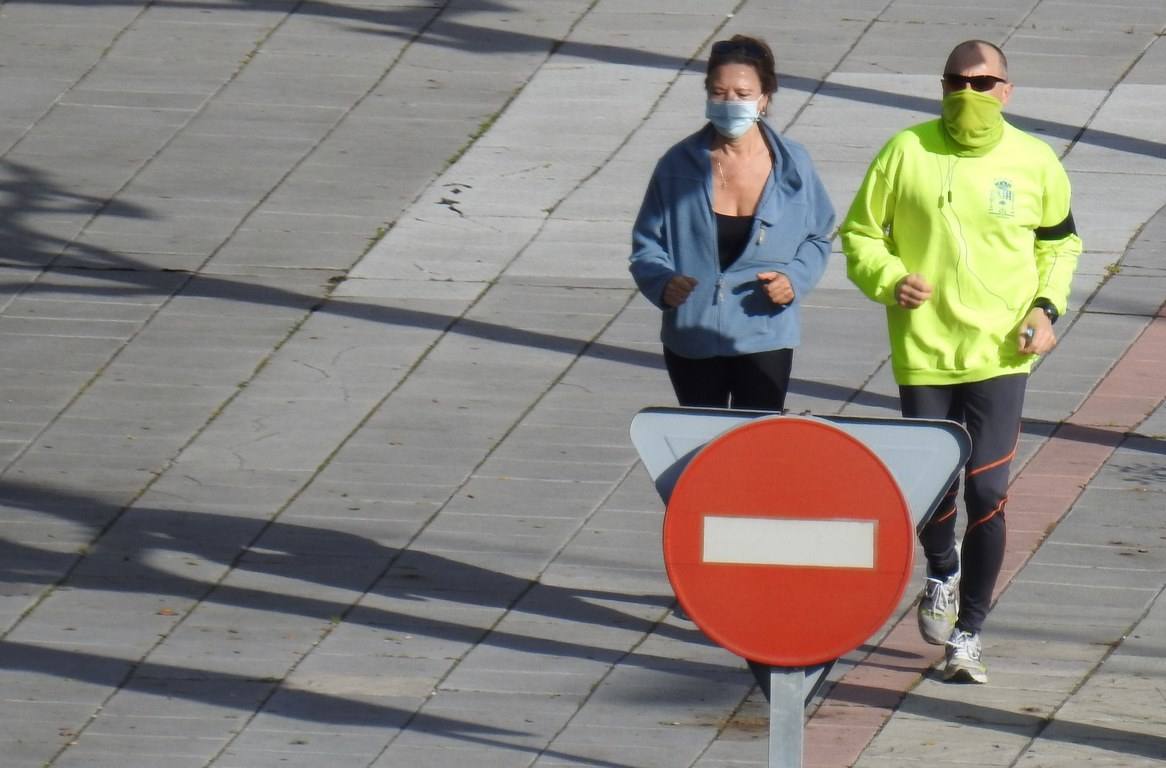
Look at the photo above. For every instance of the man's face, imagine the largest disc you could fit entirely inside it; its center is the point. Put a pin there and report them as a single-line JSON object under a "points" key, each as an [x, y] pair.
{"points": [[982, 72]]}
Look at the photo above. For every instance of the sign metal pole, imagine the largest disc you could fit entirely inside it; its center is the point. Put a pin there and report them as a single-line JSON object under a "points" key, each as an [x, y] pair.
{"points": [[787, 712]]}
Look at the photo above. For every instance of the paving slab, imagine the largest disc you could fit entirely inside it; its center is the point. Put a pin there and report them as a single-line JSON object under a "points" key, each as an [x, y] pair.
{"points": [[322, 351]]}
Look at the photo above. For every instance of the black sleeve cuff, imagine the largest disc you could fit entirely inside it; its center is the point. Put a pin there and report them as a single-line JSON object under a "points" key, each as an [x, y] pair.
{"points": [[1050, 310]]}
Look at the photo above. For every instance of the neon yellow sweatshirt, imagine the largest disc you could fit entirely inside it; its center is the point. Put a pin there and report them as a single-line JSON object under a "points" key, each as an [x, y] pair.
{"points": [[991, 234]]}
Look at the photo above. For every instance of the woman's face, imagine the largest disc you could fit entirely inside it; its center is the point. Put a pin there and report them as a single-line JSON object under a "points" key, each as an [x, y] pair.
{"points": [[737, 82]]}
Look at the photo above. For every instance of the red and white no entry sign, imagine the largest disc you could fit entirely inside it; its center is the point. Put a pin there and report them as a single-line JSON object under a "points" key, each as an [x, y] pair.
{"points": [[788, 541]]}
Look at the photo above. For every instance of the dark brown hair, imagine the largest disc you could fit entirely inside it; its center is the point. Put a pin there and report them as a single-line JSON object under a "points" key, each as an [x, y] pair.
{"points": [[742, 49]]}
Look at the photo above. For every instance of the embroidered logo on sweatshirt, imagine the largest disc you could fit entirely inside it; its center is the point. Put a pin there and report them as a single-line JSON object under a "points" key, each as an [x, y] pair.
{"points": [[1001, 201]]}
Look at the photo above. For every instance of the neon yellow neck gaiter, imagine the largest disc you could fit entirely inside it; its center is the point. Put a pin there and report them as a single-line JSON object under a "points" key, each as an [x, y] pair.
{"points": [[973, 121]]}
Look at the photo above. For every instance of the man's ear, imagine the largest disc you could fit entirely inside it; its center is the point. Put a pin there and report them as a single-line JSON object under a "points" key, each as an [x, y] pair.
{"points": [[1005, 93]]}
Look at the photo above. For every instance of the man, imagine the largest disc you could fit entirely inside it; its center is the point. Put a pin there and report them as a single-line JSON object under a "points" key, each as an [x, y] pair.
{"points": [[962, 228]]}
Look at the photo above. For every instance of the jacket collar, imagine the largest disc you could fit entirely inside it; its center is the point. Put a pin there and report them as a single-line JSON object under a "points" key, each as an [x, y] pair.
{"points": [[783, 183]]}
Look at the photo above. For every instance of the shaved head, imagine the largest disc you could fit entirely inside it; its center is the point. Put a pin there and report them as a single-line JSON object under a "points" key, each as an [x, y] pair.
{"points": [[978, 55]]}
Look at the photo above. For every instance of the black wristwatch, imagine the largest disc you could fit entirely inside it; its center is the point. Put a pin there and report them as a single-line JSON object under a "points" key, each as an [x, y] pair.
{"points": [[1050, 311]]}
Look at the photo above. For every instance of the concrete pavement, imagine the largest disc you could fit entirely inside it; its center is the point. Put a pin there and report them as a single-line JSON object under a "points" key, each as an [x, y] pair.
{"points": [[319, 353]]}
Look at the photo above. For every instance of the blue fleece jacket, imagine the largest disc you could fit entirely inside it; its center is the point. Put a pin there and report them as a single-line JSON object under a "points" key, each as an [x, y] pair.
{"points": [[675, 232]]}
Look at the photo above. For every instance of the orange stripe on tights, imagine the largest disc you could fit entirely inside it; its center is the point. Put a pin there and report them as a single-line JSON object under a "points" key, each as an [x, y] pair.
{"points": [[999, 508]]}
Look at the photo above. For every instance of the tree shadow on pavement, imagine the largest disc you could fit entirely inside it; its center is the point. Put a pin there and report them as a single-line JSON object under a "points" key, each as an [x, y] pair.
{"points": [[232, 692], [27, 191], [124, 559]]}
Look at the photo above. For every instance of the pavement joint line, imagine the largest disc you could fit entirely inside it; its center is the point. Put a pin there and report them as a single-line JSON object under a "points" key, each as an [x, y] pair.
{"points": [[189, 275], [97, 62], [293, 167], [1047, 719], [548, 213], [1105, 99], [632, 651], [834, 69], [145, 488], [1020, 23], [178, 130]]}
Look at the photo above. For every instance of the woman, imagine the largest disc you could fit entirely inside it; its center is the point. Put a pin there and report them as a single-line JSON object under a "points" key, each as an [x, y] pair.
{"points": [[733, 233]]}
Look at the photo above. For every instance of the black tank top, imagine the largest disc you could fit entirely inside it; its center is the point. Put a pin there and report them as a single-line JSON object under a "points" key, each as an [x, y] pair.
{"points": [[732, 236]]}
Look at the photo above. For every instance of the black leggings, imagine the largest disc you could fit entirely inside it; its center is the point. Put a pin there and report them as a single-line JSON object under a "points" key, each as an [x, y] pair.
{"points": [[990, 410], [757, 382]]}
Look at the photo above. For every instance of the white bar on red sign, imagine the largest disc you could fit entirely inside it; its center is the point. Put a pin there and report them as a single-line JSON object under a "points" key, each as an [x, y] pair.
{"points": [[783, 541]]}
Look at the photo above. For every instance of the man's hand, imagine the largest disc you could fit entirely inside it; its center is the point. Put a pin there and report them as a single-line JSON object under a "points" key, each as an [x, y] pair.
{"points": [[912, 291], [1036, 333], [677, 290], [777, 287]]}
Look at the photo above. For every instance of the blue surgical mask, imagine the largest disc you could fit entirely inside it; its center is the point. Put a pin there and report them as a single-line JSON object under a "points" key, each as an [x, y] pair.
{"points": [[732, 118]]}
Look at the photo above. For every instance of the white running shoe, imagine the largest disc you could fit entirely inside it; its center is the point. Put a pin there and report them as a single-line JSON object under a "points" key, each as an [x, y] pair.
{"points": [[963, 658], [938, 608]]}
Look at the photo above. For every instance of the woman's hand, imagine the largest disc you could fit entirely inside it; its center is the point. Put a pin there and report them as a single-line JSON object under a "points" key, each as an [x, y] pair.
{"points": [[677, 290], [778, 287]]}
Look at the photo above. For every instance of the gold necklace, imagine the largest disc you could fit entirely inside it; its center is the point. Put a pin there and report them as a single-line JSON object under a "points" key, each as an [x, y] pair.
{"points": [[721, 170]]}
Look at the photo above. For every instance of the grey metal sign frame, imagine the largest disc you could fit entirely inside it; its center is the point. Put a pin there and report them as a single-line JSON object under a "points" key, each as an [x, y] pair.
{"points": [[924, 456]]}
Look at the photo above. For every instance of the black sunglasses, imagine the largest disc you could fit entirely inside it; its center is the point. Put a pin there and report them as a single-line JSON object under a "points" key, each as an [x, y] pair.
{"points": [[979, 83], [723, 48]]}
